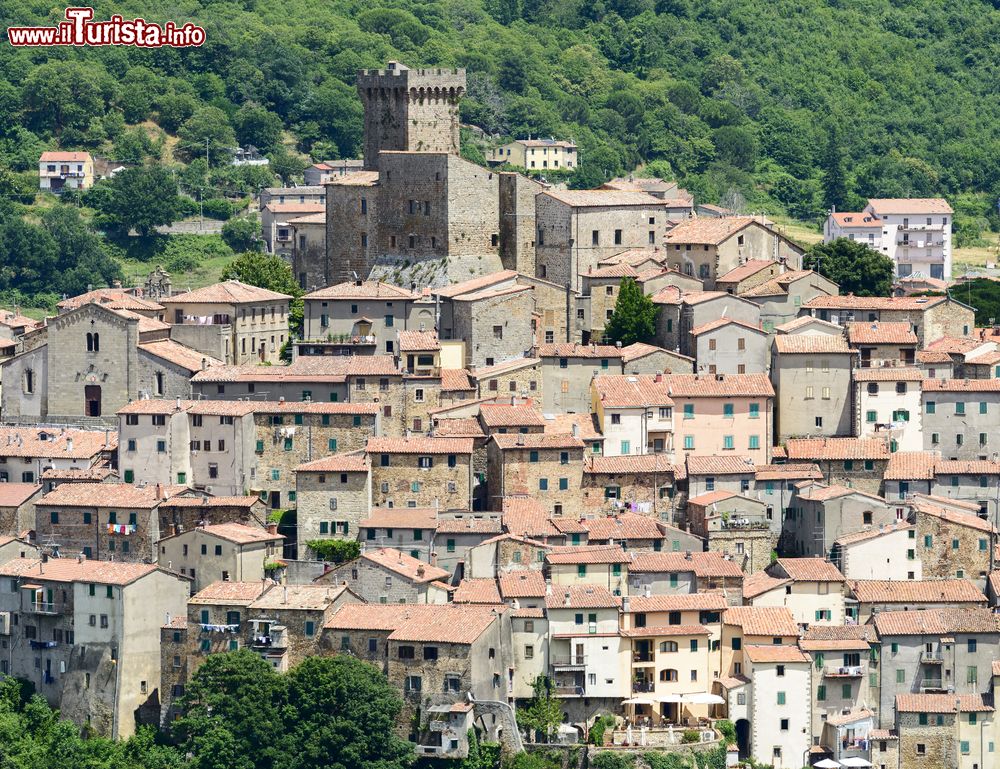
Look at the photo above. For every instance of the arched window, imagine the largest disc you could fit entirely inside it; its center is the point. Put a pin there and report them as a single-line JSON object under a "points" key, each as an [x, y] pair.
{"points": [[159, 383], [668, 674], [90, 342], [29, 381], [668, 646], [97, 342]]}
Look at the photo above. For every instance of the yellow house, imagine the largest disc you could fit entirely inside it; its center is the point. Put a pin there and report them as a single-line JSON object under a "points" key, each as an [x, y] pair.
{"points": [[604, 565], [58, 171], [537, 154]]}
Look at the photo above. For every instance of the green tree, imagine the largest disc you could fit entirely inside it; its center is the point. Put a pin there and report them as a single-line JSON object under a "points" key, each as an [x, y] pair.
{"points": [[65, 94], [208, 129], [264, 271], [257, 126], [138, 198], [243, 234], [335, 550], [835, 192], [634, 318], [853, 266], [287, 165], [543, 713]]}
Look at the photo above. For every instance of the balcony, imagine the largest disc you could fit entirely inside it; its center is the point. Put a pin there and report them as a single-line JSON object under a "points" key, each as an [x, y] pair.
{"points": [[842, 671], [44, 607], [931, 685], [569, 691], [644, 656], [643, 687], [931, 658], [573, 661], [218, 319]]}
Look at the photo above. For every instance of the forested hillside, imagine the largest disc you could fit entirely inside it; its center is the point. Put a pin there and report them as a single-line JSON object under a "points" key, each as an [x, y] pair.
{"points": [[786, 105]]}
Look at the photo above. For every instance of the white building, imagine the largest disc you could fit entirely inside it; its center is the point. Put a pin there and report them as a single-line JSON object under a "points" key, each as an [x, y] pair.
{"points": [[780, 705], [635, 414], [884, 552], [889, 405], [914, 232]]}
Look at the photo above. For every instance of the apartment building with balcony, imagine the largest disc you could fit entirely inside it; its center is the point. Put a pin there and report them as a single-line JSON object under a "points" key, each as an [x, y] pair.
{"points": [[58, 171]]}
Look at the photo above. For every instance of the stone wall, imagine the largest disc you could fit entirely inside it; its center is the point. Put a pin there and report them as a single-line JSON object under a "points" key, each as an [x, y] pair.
{"points": [[404, 482], [495, 328]]}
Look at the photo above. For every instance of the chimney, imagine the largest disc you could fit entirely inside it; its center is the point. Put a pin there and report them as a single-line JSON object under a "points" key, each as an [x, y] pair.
{"points": [[204, 363], [566, 599], [159, 491], [548, 588], [647, 592], [79, 558], [281, 399], [178, 404], [272, 528], [172, 530], [421, 570], [576, 430], [166, 619], [284, 594], [687, 555], [107, 439], [69, 444], [626, 604]]}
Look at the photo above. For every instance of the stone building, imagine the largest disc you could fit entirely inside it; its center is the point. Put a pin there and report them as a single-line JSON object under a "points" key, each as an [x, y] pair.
{"points": [[888, 403], [251, 322], [930, 317], [727, 346], [854, 462], [422, 472], [635, 414], [457, 534], [734, 525], [26, 453], [883, 343], [698, 309], [952, 540], [646, 483], [408, 529], [936, 729], [781, 298], [824, 514], [86, 634], [874, 596], [333, 495], [548, 467], [390, 576], [811, 374], [220, 551], [567, 370], [959, 417]]}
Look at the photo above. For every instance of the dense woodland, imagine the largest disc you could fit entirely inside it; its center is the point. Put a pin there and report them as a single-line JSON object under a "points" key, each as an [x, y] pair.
{"points": [[787, 106]]}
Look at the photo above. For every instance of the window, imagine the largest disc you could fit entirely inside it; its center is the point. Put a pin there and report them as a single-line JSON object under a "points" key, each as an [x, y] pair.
{"points": [[689, 411], [754, 410], [727, 410], [821, 693], [959, 407], [781, 698]]}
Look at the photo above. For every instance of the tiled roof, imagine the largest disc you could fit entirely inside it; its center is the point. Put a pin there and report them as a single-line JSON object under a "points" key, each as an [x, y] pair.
{"points": [[301, 597], [967, 467], [448, 623], [761, 654], [178, 354], [295, 207], [453, 379], [522, 584], [961, 385], [810, 570], [585, 424], [95, 473], [568, 525], [699, 297], [52, 443], [602, 198], [872, 533], [638, 350], [677, 602], [776, 621], [790, 471], [841, 719], [747, 269], [477, 591], [155, 406], [581, 597], [419, 445], [375, 616], [660, 631], [238, 533], [718, 323], [16, 494], [400, 518], [761, 582], [121, 495], [955, 344], [113, 298], [707, 564], [504, 367], [233, 593], [212, 502], [884, 206], [719, 385], [968, 520], [587, 554], [837, 637], [313, 407], [633, 463], [622, 526], [851, 302], [574, 350], [353, 462], [226, 292], [355, 179], [468, 525], [710, 464], [943, 703], [527, 523], [620, 270], [410, 341], [65, 157], [856, 219], [72, 570], [507, 441], [874, 332], [631, 391], [405, 565], [476, 284], [713, 497], [937, 621], [932, 356], [837, 448], [805, 344], [777, 285], [708, 230], [222, 408], [888, 374], [367, 289], [817, 492], [667, 295], [808, 320], [916, 591], [507, 415]]}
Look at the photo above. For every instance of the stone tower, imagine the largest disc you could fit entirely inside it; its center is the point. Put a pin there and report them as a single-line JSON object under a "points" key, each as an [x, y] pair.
{"points": [[411, 110]]}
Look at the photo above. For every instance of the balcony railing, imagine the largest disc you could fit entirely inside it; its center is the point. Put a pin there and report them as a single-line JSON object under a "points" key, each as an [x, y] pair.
{"points": [[573, 661], [642, 656], [570, 691], [842, 671], [930, 685], [931, 658], [643, 687], [44, 607]]}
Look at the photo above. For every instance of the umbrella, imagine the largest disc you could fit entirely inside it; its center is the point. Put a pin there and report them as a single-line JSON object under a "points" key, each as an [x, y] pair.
{"points": [[703, 698], [639, 701], [671, 698], [854, 761], [827, 763]]}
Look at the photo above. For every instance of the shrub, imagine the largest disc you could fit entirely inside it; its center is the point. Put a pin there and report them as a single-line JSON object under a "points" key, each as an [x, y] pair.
{"points": [[218, 208], [690, 735], [335, 550]]}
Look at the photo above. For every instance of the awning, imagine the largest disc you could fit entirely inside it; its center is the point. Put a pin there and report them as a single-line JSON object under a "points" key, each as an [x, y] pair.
{"points": [[703, 698], [827, 763], [854, 761], [678, 698], [639, 701]]}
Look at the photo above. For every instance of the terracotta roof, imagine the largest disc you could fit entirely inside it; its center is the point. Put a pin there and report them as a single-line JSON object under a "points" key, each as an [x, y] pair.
{"points": [[368, 289], [238, 533], [52, 443], [708, 230], [222, 408], [581, 597], [956, 344], [620, 270], [699, 297], [113, 298], [932, 356], [747, 269], [884, 206], [667, 295], [72, 570], [604, 198], [355, 179], [448, 623], [378, 617], [856, 219], [761, 654], [888, 374], [405, 565], [410, 341], [574, 350], [968, 520], [461, 427], [505, 367], [944, 703], [455, 379], [178, 354], [840, 719], [706, 564], [883, 734], [967, 467], [916, 591], [714, 497], [476, 284], [585, 424], [761, 582], [872, 533], [719, 385], [633, 463], [468, 525], [419, 445], [16, 494], [212, 502], [937, 621], [317, 218], [709, 464], [122, 495], [300, 597], [522, 584], [851, 302], [309, 368], [584, 554], [400, 518], [227, 292], [477, 591], [777, 285], [762, 620], [65, 157], [837, 638], [96, 473], [523, 441], [810, 570], [353, 462], [295, 207], [718, 323], [874, 332], [808, 320], [568, 525], [677, 602], [837, 448], [961, 385], [806, 344], [665, 630], [313, 407], [495, 415], [790, 471], [631, 391], [622, 526], [232, 593], [638, 350]]}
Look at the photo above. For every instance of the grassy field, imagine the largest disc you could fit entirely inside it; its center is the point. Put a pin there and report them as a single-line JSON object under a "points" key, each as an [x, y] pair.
{"points": [[207, 272], [976, 257], [800, 232]]}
